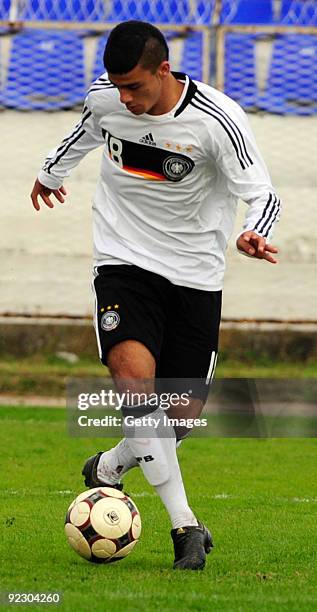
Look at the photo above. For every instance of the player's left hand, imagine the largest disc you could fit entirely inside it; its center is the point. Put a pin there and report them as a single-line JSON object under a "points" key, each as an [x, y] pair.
{"points": [[256, 246]]}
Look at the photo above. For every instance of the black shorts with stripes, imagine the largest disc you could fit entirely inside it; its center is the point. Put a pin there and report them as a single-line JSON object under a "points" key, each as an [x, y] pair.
{"points": [[179, 325]]}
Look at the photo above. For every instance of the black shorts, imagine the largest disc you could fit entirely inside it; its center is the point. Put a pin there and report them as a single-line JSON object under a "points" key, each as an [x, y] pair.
{"points": [[179, 325]]}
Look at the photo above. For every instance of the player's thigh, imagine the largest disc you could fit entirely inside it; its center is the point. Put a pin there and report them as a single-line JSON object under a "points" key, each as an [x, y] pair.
{"points": [[129, 318], [190, 346]]}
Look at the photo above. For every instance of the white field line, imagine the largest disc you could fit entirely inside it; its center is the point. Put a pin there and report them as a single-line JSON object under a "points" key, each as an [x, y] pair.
{"points": [[217, 496]]}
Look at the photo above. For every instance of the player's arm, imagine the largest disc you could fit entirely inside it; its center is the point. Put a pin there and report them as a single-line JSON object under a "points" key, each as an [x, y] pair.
{"points": [[85, 137], [248, 178]]}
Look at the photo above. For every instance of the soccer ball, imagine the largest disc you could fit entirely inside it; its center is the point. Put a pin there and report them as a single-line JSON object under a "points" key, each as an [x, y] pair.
{"points": [[103, 525]]}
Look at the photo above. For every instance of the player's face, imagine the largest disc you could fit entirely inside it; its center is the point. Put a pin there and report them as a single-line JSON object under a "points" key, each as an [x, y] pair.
{"points": [[140, 89]]}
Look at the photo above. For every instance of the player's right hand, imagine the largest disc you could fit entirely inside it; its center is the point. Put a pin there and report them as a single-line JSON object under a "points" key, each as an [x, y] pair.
{"points": [[43, 192]]}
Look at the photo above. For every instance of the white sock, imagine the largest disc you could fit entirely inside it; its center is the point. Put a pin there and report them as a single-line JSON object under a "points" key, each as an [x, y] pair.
{"points": [[156, 451], [115, 462], [174, 498], [119, 456]]}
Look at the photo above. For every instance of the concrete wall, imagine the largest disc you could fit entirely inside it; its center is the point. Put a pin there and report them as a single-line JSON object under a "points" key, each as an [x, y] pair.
{"points": [[243, 341]]}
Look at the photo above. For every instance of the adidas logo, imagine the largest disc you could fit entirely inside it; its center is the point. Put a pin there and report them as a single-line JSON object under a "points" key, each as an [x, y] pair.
{"points": [[148, 139]]}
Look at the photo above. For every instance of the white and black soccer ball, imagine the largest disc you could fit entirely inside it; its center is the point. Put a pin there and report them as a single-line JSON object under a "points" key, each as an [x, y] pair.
{"points": [[103, 525]]}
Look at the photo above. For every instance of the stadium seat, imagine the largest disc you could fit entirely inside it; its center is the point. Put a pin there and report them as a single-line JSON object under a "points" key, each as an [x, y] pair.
{"points": [[299, 12], [162, 11], [247, 12], [240, 72], [205, 12], [292, 81], [98, 67], [147, 10], [40, 74], [155, 11], [5, 6], [64, 10], [191, 62], [5, 9]]}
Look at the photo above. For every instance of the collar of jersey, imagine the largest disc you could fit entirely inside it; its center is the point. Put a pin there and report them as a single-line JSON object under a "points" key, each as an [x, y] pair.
{"points": [[187, 94]]}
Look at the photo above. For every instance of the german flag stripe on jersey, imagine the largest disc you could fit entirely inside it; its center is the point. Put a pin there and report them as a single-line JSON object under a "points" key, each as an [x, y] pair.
{"points": [[145, 173], [149, 162]]}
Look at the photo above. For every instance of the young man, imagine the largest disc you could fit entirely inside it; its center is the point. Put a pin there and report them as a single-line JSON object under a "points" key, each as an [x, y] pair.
{"points": [[177, 156]]}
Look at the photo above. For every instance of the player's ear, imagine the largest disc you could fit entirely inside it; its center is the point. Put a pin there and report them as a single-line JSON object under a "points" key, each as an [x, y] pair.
{"points": [[164, 69]]}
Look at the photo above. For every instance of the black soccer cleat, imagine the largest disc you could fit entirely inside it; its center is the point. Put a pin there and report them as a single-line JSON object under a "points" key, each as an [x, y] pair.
{"points": [[90, 472], [191, 544]]}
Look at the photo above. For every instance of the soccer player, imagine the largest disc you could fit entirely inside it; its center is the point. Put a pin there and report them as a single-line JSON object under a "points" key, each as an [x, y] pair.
{"points": [[177, 155]]}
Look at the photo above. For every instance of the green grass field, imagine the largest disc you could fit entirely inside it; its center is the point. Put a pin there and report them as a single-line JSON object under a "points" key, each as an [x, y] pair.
{"points": [[259, 497]]}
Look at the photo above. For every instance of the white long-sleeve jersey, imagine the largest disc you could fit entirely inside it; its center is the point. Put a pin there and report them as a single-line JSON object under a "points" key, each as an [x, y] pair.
{"points": [[169, 184]]}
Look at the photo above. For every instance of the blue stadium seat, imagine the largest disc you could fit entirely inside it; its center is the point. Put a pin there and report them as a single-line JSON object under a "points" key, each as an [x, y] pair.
{"points": [[299, 12], [292, 81], [240, 72], [192, 56], [98, 67], [5, 14], [64, 10], [204, 12], [161, 11], [148, 10], [45, 71], [156, 11], [247, 12], [5, 9]]}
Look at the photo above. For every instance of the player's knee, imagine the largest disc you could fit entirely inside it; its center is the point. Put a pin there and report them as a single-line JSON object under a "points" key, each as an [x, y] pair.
{"points": [[131, 361]]}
